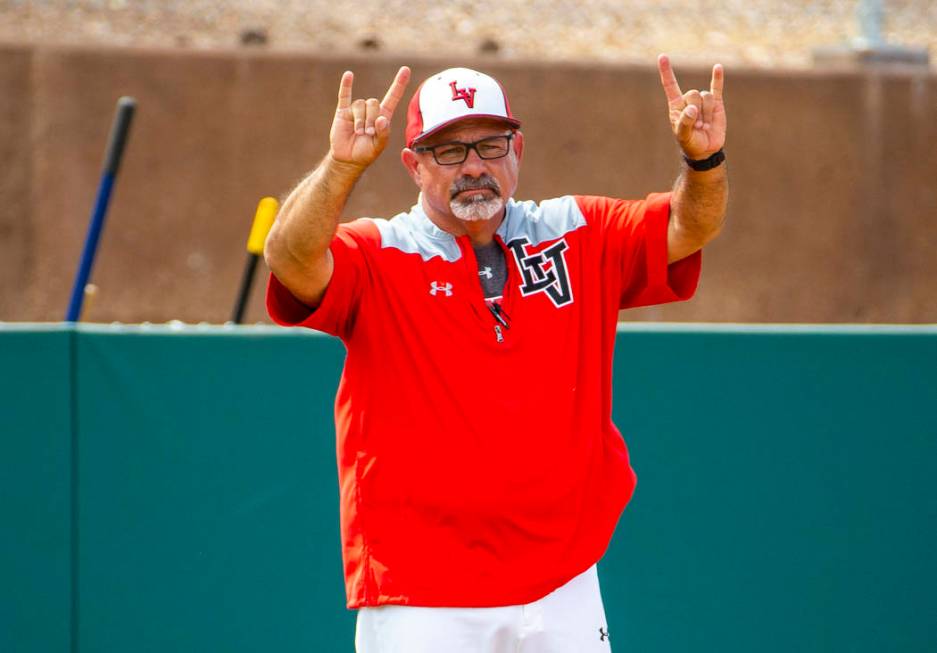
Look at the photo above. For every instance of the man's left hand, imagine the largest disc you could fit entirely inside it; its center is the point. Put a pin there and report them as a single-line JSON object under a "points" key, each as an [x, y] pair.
{"points": [[698, 118]]}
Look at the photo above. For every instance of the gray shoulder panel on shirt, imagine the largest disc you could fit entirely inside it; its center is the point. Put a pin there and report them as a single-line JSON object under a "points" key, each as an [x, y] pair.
{"points": [[403, 233], [414, 233], [538, 223]]}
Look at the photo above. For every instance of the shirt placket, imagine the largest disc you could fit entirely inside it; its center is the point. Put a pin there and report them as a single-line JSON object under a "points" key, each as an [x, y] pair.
{"points": [[493, 320]]}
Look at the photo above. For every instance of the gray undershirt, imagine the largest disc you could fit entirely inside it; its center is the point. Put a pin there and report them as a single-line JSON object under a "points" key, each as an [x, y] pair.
{"points": [[492, 269]]}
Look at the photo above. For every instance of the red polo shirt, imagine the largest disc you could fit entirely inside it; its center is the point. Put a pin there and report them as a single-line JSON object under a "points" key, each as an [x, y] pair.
{"points": [[477, 458]]}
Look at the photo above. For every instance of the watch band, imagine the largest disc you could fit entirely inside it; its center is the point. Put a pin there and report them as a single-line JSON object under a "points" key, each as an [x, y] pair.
{"points": [[702, 165]]}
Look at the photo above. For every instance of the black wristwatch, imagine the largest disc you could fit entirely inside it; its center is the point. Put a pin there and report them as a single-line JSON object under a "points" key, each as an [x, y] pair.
{"points": [[702, 165]]}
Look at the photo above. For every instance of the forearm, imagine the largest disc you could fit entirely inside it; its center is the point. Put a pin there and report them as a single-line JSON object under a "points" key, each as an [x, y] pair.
{"points": [[697, 209], [311, 212], [297, 249]]}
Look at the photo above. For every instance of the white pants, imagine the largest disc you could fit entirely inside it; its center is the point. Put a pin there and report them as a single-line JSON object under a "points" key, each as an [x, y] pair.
{"points": [[570, 619]]}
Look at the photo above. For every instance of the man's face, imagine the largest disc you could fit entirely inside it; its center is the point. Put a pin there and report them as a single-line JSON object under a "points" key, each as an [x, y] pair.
{"points": [[475, 189]]}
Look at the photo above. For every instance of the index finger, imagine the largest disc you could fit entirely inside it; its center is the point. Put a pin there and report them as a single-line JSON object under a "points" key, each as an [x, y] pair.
{"points": [[667, 79], [395, 92], [344, 90], [718, 81]]}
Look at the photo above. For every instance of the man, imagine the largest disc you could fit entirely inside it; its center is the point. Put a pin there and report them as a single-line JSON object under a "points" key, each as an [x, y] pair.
{"points": [[481, 476]]}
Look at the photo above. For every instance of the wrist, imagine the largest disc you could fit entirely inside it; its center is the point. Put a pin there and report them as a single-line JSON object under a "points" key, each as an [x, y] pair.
{"points": [[341, 168], [714, 160]]}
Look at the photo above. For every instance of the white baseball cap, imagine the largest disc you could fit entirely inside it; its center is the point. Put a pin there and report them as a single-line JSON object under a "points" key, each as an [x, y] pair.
{"points": [[453, 95]]}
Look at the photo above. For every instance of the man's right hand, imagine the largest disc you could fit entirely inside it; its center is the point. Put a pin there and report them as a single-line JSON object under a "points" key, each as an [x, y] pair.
{"points": [[361, 127]]}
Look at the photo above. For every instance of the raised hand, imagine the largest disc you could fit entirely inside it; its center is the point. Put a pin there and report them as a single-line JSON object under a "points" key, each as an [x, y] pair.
{"points": [[698, 119], [361, 127]]}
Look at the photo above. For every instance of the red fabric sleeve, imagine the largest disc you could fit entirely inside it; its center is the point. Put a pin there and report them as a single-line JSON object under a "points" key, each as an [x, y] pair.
{"points": [[335, 314], [634, 236]]}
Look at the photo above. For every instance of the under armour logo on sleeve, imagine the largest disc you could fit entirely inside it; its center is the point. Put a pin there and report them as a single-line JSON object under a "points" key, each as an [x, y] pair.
{"points": [[435, 288]]}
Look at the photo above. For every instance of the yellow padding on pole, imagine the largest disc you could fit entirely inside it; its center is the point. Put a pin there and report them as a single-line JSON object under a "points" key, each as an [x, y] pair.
{"points": [[263, 220]]}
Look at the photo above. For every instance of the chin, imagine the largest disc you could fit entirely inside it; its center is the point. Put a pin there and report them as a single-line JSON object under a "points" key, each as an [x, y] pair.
{"points": [[478, 210]]}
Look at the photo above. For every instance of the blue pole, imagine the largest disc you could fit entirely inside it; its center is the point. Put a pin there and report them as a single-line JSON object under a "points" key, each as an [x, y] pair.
{"points": [[120, 130]]}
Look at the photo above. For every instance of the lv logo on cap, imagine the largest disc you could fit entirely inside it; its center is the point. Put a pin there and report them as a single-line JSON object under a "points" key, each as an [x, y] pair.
{"points": [[467, 94]]}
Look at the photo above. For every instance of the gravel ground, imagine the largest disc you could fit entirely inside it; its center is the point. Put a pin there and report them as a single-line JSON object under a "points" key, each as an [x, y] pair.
{"points": [[760, 33]]}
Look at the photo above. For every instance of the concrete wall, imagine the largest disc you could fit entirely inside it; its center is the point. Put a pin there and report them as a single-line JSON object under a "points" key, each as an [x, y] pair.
{"points": [[834, 176]]}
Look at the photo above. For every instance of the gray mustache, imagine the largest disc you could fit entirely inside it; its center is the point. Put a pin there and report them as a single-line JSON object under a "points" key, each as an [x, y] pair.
{"points": [[485, 182]]}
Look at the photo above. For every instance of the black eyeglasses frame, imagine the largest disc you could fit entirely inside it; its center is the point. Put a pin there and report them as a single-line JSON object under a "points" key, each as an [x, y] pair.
{"points": [[420, 149]]}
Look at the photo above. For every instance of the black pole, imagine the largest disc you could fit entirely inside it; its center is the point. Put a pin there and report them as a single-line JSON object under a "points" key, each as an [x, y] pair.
{"points": [[247, 280], [263, 219], [120, 130]]}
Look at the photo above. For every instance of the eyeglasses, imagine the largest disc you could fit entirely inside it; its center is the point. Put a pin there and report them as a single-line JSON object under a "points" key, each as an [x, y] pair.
{"points": [[455, 152]]}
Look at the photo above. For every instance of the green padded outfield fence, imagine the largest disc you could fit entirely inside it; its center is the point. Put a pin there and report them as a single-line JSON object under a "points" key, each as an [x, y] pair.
{"points": [[174, 490]]}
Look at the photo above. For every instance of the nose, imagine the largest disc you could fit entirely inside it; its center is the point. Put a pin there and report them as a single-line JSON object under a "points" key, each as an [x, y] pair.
{"points": [[474, 165]]}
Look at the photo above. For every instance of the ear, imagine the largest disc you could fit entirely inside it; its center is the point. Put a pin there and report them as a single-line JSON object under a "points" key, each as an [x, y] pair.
{"points": [[518, 143], [411, 162]]}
